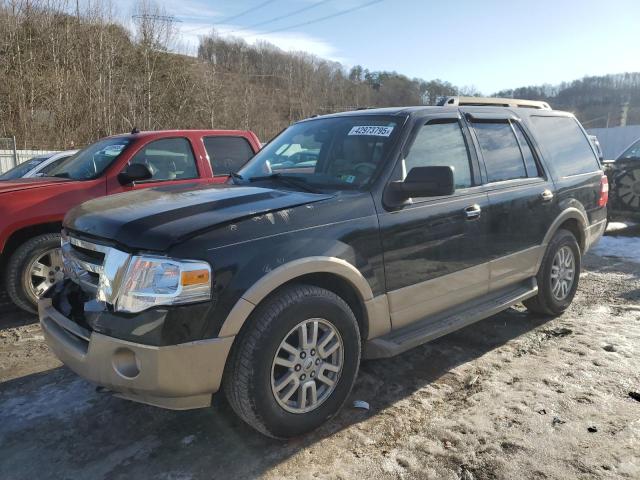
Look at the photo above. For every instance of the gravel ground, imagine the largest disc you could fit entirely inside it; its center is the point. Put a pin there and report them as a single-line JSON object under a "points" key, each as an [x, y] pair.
{"points": [[513, 396]]}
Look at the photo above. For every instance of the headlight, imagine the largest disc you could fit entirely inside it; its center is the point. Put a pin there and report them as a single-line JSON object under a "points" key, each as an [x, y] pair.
{"points": [[153, 281]]}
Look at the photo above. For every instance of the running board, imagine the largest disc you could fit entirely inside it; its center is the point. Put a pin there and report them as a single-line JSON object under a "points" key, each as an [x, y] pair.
{"points": [[436, 326]]}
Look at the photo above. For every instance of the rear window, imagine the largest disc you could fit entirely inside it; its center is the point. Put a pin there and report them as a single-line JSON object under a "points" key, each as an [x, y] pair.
{"points": [[566, 144], [227, 154]]}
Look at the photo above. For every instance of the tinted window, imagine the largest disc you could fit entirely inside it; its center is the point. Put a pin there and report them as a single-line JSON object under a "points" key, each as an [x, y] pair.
{"points": [[632, 152], [566, 144], [168, 159], [441, 144], [227, 154], [500, 151], [525, 148]]}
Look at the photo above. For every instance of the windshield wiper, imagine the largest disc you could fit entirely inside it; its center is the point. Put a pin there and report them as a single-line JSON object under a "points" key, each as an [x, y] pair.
{"points": [[61, 175], [290, 180]]}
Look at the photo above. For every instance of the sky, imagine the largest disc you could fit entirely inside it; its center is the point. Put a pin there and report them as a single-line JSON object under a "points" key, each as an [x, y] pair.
{"points": [[488, 44]]}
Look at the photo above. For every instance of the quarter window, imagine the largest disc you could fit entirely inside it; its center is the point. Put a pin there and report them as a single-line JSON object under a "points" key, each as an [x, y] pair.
{"points": [[566, 144], [500, 150], [168, 159], [438, 145], [227, 154]]}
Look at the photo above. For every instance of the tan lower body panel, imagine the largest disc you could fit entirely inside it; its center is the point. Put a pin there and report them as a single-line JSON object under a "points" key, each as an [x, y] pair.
{"points": [[594, 233], [177, 377], [513, 268], [415, 302]]}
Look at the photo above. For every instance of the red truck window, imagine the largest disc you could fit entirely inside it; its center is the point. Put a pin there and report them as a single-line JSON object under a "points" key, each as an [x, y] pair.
{"points": [[168, 159], [227, 154]]}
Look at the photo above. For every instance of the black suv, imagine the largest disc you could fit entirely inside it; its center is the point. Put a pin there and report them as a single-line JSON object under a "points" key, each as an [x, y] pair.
{"points": [[399, 226], [624, 178]]}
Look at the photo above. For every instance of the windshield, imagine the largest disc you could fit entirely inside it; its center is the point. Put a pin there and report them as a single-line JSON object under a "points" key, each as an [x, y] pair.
{"points": [[24, 168], [92, 161], [340, 152], [632, 152]]}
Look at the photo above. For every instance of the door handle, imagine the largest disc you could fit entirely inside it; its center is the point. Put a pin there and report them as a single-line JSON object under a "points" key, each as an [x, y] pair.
{"points": [[546, 196], [472, 212]]}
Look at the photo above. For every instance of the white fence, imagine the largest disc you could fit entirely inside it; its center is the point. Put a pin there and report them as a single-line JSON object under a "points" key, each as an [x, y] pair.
{"points": [[10, 158]]}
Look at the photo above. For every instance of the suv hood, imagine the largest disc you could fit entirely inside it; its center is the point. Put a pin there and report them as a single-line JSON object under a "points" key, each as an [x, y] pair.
{"points": [[157, 218], [29, 183]]}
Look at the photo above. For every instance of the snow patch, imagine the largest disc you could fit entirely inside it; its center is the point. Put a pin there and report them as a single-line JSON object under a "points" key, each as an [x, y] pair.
{"points": [[617, 226], [627, 248]]}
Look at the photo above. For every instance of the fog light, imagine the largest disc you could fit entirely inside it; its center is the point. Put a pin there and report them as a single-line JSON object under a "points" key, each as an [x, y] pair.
{"points": [[126, 363]]}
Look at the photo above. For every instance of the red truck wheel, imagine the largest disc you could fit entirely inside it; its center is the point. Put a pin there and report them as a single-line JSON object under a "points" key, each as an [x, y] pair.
{"points": [[32, 269]]}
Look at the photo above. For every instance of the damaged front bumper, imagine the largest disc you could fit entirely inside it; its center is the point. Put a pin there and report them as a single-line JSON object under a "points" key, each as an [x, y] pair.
{"points": [[178, 377]]}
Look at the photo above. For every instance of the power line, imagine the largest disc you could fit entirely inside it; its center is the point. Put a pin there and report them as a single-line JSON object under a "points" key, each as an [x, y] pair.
{"points": [[160, 18], [280, 17], [322, 19], [250, 10]]}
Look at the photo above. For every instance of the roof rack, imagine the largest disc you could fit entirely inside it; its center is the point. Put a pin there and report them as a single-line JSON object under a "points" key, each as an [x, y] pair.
{"points": [[493, 102]]}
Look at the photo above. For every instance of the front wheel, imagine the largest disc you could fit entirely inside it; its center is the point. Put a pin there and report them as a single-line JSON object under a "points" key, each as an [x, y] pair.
{"points": [[295, 361], [34, 267], [558, 276]]}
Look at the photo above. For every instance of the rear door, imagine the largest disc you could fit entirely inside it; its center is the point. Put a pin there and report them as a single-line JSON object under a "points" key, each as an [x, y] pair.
{"points": [[227, 154], [435, 249], [171, 161], [521, 196], [574, 165]]}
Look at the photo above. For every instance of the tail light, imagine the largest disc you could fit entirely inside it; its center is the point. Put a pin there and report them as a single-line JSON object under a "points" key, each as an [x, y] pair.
{"points": [[604, 191]]}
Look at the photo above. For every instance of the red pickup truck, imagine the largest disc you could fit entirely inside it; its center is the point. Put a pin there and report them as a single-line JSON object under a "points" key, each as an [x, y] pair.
{"points": [[31, 210]]}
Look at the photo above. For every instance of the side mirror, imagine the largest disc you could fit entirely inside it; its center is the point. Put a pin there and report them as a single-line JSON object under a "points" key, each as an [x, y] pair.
{"points": [[426, 182], [135, 172]]}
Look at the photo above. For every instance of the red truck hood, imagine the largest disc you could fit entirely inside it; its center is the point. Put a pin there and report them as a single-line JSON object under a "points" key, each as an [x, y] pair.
{"points": [[28, 183]]}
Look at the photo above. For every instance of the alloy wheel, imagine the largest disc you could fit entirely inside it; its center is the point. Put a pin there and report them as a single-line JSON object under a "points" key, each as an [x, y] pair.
{"points": [[43, 271], [307, 366], [562, 273]]}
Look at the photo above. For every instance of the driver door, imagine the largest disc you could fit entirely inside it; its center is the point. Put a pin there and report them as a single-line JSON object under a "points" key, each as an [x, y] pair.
{"points": [[435, 248]]}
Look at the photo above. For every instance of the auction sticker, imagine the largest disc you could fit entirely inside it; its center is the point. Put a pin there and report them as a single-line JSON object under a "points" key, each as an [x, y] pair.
{"points": [[371, 130]]}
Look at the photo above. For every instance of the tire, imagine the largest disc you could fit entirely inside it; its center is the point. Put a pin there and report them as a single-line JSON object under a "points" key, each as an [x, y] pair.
{"points": [[18, 277], [546, 302], [251, 373]]}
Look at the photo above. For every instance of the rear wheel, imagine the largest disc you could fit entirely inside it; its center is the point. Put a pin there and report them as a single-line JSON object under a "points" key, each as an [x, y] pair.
{"points": [[295, 362], [34, 267], [558, 276]]}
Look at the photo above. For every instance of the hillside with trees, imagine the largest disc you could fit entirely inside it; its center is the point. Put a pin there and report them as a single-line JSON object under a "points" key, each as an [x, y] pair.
{"points": [[68, 77]]}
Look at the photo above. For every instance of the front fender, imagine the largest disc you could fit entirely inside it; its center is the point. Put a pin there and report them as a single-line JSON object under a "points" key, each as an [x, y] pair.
{"points": [[285, 273]]}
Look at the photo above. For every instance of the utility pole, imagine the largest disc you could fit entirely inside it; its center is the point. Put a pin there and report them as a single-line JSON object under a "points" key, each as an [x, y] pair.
{"points": [[624, 113]]}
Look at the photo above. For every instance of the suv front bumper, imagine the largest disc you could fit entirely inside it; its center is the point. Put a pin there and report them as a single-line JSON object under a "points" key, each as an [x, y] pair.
{"points": [[178, 377]]}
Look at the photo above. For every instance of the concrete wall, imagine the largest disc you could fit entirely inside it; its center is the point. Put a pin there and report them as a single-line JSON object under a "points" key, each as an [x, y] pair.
{"points": [[615, 140]]}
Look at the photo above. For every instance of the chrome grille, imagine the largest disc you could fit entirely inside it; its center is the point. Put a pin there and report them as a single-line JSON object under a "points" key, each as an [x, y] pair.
{"points": [[97, 269]]}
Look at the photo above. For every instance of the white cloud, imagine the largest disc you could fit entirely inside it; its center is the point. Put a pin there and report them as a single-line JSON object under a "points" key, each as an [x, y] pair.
{"points": [[287, 41]]}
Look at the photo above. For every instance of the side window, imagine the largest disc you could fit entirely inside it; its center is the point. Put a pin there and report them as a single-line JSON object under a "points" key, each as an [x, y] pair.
{"points": [[527, 153], [168, 159], [568, 147], [500, 151], [632, 152], [441, 144], [227, 154]]}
